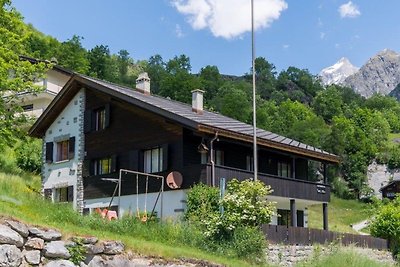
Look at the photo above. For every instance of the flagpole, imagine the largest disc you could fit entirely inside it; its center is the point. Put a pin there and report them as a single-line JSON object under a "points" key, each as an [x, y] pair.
{"points": [[254, 92]]}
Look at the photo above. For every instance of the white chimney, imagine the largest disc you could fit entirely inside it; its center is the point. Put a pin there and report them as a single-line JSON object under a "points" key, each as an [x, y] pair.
{"points": [[197, 101], [143, 83]]}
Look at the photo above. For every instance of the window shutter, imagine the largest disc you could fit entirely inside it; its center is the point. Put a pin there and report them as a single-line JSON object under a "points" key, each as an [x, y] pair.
{"points": [[86, 168], [134, 160], [71, 152], [49, 152], [165, 157], [70, 193], [113, 163], [107, 113], [48, 193], [88, 121]]}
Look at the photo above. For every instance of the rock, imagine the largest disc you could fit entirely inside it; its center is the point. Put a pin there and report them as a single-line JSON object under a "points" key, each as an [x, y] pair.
{"points": [[34, 230], [56, 249], [60, 263], [10, 237], [94, 249], [117, 261], [32, 256], [113, 247], [35, 243], [49, 235], [10, 256], [19, 227], [85, 239]]}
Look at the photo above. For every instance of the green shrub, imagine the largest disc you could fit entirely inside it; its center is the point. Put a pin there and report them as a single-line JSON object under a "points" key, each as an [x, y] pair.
{"points": [[28, 155], [77, 251]]}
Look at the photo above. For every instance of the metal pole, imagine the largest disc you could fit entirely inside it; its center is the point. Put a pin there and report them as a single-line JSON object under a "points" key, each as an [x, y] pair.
{"points": [[254, 92], [119, 194]]}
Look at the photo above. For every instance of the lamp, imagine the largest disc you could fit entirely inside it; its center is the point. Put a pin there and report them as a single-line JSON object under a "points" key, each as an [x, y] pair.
{"points": [[202, 148]]}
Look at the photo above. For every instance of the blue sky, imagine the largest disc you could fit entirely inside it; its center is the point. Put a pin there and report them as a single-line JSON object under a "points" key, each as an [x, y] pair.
{"points": [[310, 34]]}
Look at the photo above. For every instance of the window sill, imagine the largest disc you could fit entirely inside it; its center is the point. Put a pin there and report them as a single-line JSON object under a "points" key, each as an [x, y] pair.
{"points": [[61, 161]]}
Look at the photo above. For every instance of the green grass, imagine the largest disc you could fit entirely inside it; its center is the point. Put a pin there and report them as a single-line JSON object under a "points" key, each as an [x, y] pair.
{"points": [[341, 214], [391, 138], [341, 258], [166, 240]]}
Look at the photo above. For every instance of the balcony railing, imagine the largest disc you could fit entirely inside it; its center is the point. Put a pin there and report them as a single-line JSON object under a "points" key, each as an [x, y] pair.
{"points": [[282, 187]]}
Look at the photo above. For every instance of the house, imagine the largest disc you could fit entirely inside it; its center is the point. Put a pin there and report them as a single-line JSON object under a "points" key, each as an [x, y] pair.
{"points": [[34, 104], [94, 129], [391, 189]]}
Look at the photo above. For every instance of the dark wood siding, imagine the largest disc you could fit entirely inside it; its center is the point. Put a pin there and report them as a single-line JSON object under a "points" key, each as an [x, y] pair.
{"points": [[131, 130]]}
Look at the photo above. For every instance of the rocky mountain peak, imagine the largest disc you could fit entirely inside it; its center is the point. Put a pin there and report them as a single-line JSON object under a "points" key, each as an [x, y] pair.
{"points": [[338, 72], [381, 74]]}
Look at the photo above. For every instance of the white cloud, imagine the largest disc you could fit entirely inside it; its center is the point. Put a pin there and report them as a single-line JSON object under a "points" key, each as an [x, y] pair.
{"points": [[178, 31], [349, 10], [229, 18], [285, 46], [322, 35]]}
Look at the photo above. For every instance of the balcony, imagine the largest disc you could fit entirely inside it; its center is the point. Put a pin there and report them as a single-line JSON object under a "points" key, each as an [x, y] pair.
{"points": [[283, 187]]}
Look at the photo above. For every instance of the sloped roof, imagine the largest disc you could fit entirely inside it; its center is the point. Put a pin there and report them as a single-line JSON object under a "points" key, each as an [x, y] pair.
{"points": [[208, 122]]}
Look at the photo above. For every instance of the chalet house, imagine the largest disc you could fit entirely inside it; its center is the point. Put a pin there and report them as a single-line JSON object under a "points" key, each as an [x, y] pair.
{"points": [[93, 129], [391, 189], [34, 104]]}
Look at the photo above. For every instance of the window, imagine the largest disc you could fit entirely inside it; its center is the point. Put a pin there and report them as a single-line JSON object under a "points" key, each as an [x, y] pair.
{"points": [[284, 169], [203, 159], [62, 150], [249, 163], [219, 157], [65, 149], [153, 160], [102, 166], [100, 119], [64, 194]]}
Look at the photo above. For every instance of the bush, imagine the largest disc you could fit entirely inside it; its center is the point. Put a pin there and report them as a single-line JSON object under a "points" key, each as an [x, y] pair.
{"points": [[235, 232], [28, 155]]}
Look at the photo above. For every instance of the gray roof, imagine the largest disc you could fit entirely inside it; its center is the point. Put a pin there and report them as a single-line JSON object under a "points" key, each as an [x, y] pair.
{"points": [[208, 122], [210, 119]]}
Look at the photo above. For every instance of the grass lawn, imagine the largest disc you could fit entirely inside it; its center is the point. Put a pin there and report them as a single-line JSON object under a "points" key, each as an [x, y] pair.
{"points": [[391, 138], [341, 214]]}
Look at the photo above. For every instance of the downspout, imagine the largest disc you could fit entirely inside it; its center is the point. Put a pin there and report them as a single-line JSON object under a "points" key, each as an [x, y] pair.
{"points": [[212, 158]]}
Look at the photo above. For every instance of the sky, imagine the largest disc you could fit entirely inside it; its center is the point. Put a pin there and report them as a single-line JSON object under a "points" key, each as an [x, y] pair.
{"points": [[307, 34]]}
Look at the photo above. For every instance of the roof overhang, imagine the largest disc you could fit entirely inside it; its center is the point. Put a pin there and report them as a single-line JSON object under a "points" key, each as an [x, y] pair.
{"points": [[271, 144]]}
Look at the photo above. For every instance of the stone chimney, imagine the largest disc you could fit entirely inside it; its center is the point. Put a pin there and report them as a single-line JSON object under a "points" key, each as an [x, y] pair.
{"points": [[143, 83], [197, 101]]}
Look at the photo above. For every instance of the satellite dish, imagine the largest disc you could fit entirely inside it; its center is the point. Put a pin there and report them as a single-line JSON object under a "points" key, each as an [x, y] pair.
{"points": [[174, 180]]}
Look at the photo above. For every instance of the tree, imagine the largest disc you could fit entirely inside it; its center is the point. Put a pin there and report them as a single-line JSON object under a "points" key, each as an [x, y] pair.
{"points": [[16, 76], [99, 57], [73, 56], [233, 101], [265, 77], [156, 70], [178, 82], [328, 103], [211, 81]]}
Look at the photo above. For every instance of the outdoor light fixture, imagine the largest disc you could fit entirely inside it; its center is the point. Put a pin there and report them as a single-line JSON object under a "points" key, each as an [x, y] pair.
{"points": [[202, 148]]}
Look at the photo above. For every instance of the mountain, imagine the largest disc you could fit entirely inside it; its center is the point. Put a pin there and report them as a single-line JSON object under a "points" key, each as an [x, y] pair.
{"points": [[337, 73], [381, 74]]}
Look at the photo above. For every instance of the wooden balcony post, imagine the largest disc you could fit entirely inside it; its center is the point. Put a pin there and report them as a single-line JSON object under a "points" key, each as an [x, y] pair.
{"points": [[293, 213], [325, 174], [294, 168], [325, 215]]}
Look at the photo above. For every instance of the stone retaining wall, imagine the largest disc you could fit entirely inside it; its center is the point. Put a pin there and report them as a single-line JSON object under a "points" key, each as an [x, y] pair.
{"points": [[289, 255]]}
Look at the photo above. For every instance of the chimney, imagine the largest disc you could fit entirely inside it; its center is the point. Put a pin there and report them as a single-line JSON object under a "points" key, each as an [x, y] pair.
{"points": [[197, 101], [143, 83]]}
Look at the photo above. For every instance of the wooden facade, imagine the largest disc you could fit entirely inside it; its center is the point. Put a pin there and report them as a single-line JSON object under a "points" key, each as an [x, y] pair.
{"points": [[391, 190], [131, 130]]}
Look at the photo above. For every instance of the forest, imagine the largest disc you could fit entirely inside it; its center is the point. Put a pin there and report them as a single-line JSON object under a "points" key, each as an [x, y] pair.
{"points": [[291, 102]]}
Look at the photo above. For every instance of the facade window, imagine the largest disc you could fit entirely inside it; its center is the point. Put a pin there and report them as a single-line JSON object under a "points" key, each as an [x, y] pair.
{"points": [[64, 194], [100, 119], [102, 166], [62, 150], [153, 160], [249, 163], [203, 159], [219, 157], [284, 169]]}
